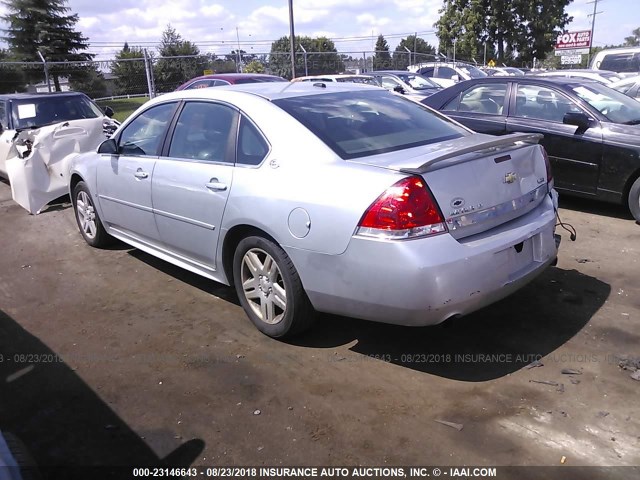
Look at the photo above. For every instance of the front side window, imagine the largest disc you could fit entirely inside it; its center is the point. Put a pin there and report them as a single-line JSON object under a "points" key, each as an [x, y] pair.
{"points": [[543, 103], [484, 98], [144, 133], [615, 106], [203, 132], [390, 83], [360, 123]]}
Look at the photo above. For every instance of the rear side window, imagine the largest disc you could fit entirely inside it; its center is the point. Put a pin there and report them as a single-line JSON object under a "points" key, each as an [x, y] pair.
{"points": [[252, 147], [203, 132], [361, 123], [484, 98], [201, 84]]}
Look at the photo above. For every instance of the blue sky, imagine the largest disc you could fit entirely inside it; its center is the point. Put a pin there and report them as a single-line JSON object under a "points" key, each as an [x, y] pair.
{"points": [[212, 24]]}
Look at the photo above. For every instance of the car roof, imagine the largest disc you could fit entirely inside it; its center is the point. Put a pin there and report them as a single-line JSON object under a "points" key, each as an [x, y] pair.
{"points": [[34, 96], [272, 90], [232, 76], [395, 72], [528, 78]]}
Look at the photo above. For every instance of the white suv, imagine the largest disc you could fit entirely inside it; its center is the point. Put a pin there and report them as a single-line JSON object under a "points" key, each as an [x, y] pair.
{"points": [[446, 74]]}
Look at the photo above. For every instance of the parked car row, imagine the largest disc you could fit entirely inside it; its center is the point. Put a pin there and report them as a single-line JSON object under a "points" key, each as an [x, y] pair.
{"points": [[330, 194]]}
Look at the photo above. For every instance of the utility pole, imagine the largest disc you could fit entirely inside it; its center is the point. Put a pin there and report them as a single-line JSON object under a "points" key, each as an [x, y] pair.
{"points": [[292, 42], [238, 56], [593, 24]]}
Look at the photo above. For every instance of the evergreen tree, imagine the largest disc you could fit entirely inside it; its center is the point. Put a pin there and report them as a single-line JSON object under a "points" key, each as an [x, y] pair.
{"points": [[48, 27], [129, 72], [172, 72], [420, 49], [11, 76], [382, 57]]}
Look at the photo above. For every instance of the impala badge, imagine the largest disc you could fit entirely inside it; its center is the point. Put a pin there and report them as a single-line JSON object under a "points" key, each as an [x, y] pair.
{"points": [[510, 177]]}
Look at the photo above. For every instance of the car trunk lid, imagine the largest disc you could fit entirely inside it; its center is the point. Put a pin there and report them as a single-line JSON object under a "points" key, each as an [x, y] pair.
{"points": [[478, 181]]}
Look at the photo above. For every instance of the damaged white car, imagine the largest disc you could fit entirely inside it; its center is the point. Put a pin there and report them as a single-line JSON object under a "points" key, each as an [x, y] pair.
{"points": [[39, 135]]}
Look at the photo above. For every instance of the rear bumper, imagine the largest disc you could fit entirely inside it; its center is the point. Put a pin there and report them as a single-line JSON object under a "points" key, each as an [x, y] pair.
{"points": [[425, 281]]}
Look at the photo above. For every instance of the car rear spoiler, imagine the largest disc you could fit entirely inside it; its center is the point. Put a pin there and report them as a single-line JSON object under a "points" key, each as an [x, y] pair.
{"points": [[484, 147]]}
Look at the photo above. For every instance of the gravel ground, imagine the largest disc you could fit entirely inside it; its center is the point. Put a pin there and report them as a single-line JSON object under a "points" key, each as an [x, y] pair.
{"points": [[111, 357]]}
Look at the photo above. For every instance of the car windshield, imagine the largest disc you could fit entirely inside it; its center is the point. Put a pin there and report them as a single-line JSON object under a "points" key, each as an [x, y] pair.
{"points": [[418, 82], [361, 123], [616, 106], [47, 110], [472, 71]]}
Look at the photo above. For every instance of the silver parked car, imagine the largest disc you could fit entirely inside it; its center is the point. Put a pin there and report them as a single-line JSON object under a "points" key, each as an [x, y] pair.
{"points": [[335, 198]]}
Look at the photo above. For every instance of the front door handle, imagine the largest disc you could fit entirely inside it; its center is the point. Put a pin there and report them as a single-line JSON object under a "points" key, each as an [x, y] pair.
{"points": [[141, 174], [215, 185]]}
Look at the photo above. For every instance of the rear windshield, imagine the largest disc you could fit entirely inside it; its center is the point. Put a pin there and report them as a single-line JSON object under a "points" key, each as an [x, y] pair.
{"points": [[360, 123], [259, 80], [37, 112]]}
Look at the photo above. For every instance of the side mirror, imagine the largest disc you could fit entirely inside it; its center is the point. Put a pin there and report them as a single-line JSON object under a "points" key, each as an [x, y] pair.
{"points": [[108, 147], [455, 78], [399, 89], [108, 111], [579, 119]]}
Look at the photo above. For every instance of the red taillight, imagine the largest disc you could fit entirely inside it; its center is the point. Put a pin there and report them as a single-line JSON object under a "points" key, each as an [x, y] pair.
{"points": [[405, 210], [547, 164]]}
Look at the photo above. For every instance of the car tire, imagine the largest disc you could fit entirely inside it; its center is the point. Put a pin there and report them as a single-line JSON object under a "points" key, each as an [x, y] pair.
{"points": [[634, 199], [270, 289], [88, 219]]}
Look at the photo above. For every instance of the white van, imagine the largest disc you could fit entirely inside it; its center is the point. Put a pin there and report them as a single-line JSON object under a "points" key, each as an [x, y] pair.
{"points": [[621, 60]]}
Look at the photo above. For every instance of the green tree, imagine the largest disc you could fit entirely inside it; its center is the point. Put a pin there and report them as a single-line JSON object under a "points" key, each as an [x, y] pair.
{"points": [[44, 26], [11, 76], [382, 57], [128, 70], [254, 66], [322, 57], [519, 30], [171, 72], [420, 50], [634, 39], [90, 81]]}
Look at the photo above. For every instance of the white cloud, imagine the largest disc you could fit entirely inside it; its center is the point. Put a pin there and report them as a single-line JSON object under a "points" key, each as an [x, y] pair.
{"points": [[372, 21]]}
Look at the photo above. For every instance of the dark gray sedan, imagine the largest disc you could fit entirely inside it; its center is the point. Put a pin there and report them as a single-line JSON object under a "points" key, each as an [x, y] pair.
{"points": [[591, 132]]}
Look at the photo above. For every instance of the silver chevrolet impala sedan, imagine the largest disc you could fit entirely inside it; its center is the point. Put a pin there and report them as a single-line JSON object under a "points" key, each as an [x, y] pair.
{"points": [[314, 197]]}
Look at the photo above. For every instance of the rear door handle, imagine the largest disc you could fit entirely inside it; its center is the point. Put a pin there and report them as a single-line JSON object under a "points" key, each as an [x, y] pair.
{"points": [[141, 174], [215, 185]]}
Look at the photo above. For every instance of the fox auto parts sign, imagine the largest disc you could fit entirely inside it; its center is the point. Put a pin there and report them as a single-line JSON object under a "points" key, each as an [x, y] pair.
{"points": [[574, 40]]}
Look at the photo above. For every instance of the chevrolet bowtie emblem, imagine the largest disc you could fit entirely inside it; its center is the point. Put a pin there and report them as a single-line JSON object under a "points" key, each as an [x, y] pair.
{"points": [[510, 177]]}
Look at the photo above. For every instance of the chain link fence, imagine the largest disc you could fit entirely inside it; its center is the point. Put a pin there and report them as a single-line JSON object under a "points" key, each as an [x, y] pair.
{"points": [[151, 76]]}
